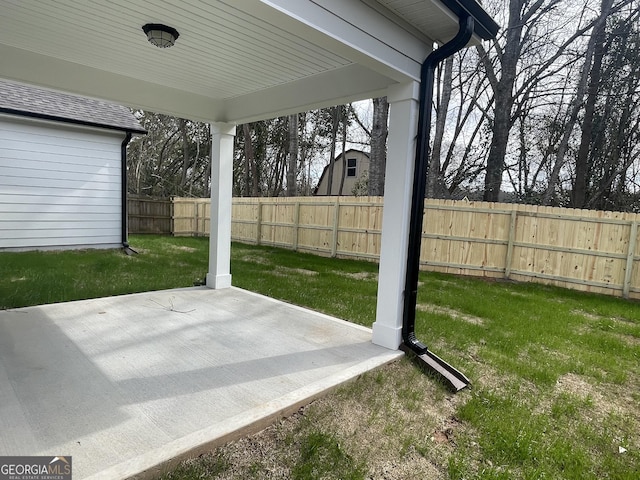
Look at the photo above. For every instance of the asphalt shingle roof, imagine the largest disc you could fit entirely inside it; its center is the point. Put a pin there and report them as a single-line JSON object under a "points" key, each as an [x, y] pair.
{"points": [[26, 100]]}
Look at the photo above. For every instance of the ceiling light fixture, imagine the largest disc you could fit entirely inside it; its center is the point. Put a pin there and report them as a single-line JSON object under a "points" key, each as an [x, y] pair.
{"points": [[160, 35]]}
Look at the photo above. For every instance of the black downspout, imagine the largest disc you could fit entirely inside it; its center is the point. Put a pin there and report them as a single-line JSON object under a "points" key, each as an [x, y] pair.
{"points": [[427, 75], [123, 185]]}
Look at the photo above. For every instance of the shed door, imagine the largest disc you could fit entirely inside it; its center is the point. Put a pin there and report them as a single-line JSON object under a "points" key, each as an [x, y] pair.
{"points": [[59, 185]]}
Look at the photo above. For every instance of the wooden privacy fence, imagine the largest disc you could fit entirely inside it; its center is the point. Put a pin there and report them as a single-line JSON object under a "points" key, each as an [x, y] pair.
{"points": [[149, 215], [579, 249], [191, 216]]}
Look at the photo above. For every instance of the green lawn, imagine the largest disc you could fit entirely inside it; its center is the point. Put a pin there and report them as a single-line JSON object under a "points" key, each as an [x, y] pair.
{"points": [[556, 373], [33, 278]]}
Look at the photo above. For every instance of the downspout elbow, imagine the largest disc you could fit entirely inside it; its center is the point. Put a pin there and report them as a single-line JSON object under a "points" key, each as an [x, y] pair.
{"points": [[123, 186]]}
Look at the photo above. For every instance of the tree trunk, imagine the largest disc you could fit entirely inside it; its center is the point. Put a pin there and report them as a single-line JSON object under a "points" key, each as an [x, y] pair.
{"points": [[435, 180], [563, 146], [335, 113], [251, 171], [378, 158], [185, 152], [503, 93], [579, 194], [292, 168], [344, 157]]}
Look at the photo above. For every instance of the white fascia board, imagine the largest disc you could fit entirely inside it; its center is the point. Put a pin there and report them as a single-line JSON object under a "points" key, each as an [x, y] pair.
{"points": [[48, 72], [355, 31], [388, 29], [343, 85]]}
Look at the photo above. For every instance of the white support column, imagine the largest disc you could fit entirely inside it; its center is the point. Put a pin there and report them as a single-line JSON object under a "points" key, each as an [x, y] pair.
{"points": [[219, 275], [403, 127]]}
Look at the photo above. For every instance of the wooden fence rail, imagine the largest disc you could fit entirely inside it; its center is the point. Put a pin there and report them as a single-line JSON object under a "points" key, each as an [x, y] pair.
{"points": [[579, 249]]}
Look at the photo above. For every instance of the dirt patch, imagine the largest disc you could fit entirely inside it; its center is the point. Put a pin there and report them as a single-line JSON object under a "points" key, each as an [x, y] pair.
{"points": [[595, 317], [628, 339], [616, 323], [587, 315], [357, 275], [575, 384], [300, 271], [446, 434], [183, 248], [413, 465], [17, 279], [603, 403], [430, 308], [255, 259]]}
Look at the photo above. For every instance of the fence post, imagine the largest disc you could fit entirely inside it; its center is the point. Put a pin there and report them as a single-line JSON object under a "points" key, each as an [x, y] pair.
{"points": [[631, 251], [172, 212], [296, 225], [512, 236], [336, 219], [259, 224]]}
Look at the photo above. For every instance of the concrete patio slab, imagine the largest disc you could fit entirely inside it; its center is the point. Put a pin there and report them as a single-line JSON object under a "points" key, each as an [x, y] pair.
{"points": [[124, 384]]}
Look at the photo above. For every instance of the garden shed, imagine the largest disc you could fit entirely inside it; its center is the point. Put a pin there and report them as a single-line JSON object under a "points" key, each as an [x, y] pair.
{"points": [[62, 168], [349, 169]]}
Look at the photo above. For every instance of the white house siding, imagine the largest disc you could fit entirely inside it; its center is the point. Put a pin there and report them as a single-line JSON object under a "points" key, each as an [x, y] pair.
{"points": [[60, 185]]}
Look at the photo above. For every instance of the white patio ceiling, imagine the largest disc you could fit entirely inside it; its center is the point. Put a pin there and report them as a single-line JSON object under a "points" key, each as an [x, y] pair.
{"points": [[235, 60]]}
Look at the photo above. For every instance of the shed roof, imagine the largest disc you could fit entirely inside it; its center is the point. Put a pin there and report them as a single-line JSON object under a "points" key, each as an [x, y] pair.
{"points": [[25, 100]]}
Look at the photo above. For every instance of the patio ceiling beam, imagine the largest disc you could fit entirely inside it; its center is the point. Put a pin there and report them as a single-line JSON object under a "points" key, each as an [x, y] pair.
{"points": [[353, 30], [339, 86]]}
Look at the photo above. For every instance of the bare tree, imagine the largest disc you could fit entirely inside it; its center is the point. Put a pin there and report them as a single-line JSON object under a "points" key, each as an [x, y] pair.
{"points": [[292, 167], [378, 156], [335, 117], [172, 159], [435, 178], [518, 66], [578, 198]]}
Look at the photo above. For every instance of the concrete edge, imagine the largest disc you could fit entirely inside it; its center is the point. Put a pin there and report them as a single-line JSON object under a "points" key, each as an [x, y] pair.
{"points": [[161, 460], [108, 297], [307, 310]]}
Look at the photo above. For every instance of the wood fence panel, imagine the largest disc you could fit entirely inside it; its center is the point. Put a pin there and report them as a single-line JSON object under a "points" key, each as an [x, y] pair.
{"points": [[315, 230], [191, 216], [244, 227], [184, 215], [465, 238], [633, 278], [277, 224], [359, 229], [149, 215]]}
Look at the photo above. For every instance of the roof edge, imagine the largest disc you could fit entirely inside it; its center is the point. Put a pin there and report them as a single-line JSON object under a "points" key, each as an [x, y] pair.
{"points": [[55, 118]]}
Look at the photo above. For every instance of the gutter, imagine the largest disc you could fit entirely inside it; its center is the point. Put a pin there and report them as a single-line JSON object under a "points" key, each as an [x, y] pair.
{"points": [[411, 345], [123, 186], [484, 26]]}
